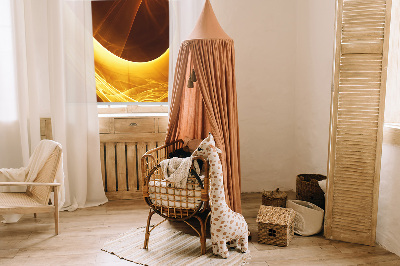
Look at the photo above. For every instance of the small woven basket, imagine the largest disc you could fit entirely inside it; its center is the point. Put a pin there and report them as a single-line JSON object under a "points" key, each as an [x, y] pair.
{"points": [[274, 198], [275, 225], [308, 189]]}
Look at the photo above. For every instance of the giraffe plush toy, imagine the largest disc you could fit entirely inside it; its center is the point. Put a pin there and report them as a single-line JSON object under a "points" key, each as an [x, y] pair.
{"points": [[226, 225]]}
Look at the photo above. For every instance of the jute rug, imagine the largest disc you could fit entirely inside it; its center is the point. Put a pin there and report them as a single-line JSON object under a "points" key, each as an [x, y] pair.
{"points": [[168, 247]]}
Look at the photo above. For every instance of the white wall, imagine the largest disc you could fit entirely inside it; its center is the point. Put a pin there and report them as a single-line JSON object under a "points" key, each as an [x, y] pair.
{"points": [[314, 60], [284, 52], [388, 227], [264, 32]]}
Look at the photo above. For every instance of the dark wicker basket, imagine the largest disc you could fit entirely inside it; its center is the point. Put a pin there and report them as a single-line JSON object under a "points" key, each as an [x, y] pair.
{"points": [[308, 189], [274, 198]]}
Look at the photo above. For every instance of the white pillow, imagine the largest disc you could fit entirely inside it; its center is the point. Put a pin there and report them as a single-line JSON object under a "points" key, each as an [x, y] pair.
{"points": [[322, 184]]}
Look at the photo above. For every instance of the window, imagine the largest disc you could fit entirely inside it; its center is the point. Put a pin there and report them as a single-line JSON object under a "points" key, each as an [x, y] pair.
{"points": [[131, 40]]}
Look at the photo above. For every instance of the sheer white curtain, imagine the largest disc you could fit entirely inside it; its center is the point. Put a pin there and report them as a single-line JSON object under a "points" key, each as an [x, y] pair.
{"points": [[55, 78], [9, 126], [183, 15]]}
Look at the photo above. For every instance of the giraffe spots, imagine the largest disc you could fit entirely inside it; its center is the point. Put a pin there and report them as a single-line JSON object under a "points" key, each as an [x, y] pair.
{"points": [[225, 224]]}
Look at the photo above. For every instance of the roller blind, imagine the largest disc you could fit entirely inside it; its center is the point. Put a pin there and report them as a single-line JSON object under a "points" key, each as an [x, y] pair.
{"points": [[358, 97]]}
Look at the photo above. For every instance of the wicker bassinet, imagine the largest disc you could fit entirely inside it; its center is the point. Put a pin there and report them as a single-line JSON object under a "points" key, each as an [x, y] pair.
{"points": [[175, 203]]}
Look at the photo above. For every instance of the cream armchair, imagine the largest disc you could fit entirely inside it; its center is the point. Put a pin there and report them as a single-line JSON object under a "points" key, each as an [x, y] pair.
{"points": [[36, 197]]}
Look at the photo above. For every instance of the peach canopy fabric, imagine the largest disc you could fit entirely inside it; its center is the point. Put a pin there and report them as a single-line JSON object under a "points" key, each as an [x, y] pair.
{"points": [[211, 106]]}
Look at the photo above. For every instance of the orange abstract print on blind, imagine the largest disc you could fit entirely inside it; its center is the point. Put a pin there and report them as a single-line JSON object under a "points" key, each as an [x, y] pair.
{"points": [[131, 50]]}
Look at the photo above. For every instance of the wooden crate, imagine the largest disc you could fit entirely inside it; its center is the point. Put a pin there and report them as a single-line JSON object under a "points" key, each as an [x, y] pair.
{"points": [[123, 141]]}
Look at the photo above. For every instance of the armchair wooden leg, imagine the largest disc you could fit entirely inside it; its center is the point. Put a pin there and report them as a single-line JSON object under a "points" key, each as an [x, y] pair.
{"points": [[147, 235], [56, 212]]}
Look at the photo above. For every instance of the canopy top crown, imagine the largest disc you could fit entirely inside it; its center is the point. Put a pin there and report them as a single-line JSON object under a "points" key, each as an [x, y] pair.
{"points": [[207, 26]]}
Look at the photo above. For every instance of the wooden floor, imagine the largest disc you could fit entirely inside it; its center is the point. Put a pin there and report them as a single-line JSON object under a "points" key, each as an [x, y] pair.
{"points": [[82, 233]]}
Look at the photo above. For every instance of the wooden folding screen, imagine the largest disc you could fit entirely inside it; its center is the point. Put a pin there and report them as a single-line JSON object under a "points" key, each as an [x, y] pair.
{"points": [[358, 96]]}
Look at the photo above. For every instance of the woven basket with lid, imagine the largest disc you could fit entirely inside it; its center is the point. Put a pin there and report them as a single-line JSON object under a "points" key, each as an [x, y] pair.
{"points": [[274, 198]]}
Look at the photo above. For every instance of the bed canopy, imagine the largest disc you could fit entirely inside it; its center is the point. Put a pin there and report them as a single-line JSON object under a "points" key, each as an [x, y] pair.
{"points": [[204, 97]]}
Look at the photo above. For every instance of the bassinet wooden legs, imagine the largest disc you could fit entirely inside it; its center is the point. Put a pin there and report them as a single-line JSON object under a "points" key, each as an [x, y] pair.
{"points": [[147, 235], [203, 237], [202, 234]]}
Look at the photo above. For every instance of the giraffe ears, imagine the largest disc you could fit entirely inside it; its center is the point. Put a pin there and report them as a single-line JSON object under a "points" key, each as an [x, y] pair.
{"points": [[216, 149], [210, 136]]}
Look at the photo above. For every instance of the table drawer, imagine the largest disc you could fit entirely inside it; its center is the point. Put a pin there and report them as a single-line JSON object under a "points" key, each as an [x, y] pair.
{"points": [[106, 125], [162, 124], [134, 125]]}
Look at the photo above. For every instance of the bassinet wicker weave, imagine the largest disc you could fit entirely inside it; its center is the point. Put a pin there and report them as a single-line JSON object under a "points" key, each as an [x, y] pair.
{"points": [[275, 225], [171, 202], [308, 189]]}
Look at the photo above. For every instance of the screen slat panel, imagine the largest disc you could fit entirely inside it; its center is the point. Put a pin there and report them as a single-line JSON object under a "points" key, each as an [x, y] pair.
{"points": [[357, 119]]}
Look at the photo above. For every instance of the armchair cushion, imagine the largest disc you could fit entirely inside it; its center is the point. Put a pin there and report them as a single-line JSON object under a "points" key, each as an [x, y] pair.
{"points": [[16, 199]]}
